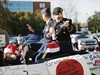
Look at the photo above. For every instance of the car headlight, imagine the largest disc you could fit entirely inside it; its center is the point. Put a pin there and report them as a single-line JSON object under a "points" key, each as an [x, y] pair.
{"points": [[82, 43]]}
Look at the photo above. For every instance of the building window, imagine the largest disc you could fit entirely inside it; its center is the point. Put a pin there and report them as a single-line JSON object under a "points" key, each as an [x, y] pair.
{"points": [[42, 5]]}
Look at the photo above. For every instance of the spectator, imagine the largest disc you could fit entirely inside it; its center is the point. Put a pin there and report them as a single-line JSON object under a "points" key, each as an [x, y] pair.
{"points": [[10, 57], [97, 49], [74, 40]]}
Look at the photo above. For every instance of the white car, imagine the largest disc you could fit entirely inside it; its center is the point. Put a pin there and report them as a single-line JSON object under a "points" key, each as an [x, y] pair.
{"points": [[97, 37], [85, 43]]}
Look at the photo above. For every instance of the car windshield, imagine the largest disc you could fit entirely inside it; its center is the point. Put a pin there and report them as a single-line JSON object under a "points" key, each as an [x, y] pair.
{"points": [[83, 36], [79, 33]]}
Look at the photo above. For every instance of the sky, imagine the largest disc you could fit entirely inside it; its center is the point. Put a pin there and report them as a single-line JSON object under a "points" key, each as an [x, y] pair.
{"points": [[83, 8], [86, 8]]}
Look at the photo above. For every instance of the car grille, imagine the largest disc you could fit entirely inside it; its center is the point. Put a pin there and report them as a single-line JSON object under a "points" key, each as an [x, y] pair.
{"points": [[90, 43]]}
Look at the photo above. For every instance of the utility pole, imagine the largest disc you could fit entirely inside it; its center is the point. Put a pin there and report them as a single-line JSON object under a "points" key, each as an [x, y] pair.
{"points": [[76, 20]]}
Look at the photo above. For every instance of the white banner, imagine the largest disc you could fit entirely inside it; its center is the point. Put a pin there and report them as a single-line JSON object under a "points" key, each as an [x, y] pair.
{"points": [[37, 69], [13, 70], [2, 40], [93, 61], [73, 65], [70, 65]]}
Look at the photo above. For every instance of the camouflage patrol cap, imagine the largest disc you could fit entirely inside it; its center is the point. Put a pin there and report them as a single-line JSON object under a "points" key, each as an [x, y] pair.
{"points": [[57, 10]]}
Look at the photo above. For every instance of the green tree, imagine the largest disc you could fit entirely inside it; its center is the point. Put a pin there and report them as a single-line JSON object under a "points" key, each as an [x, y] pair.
{"points": [[5, 15], [77, 25], [39, 21], [19, 20], [94, 22], [15, 23]]}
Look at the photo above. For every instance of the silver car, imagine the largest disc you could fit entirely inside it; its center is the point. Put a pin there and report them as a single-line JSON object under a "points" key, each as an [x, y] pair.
{"points": [[85, 43], [97, 37]]}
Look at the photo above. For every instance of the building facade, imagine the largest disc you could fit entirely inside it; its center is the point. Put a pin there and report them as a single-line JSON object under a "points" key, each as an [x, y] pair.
{"points": [[40, 5], [20, 6], [26, 6]]}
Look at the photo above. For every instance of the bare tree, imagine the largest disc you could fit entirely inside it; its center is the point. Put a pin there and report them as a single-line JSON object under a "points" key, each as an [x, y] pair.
{"points": [[69, 7]]}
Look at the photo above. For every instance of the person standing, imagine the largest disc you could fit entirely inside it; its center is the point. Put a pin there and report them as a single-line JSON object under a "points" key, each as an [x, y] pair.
{"points": [[63, 29], [74, 40]]}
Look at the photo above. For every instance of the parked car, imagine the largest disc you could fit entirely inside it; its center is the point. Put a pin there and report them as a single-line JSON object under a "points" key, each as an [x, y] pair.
{"points": [[86, 32], [12, 39], [97, 37], [83, 33], [79, 32], [33, 38], [34, 41], [21, 39], [85, 43], [31, 46]]}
